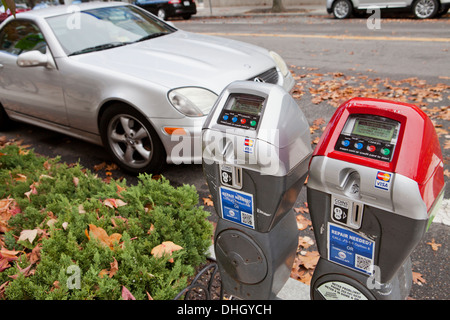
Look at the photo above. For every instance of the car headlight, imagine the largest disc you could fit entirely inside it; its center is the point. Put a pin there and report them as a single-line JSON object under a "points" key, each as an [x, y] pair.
{"points": [[192, 101], [279, 63]]}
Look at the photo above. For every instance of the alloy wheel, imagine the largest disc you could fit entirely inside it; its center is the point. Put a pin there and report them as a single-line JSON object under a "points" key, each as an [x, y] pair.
{"points": [[130, 141]]}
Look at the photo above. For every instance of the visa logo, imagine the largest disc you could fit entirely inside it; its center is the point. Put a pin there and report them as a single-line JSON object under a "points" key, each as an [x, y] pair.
{"points": [[383, 180]]}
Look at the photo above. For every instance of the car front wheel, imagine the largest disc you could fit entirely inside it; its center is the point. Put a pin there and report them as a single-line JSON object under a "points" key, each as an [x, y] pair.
{"points": [[131, 140], [5, 122], [425, 9], [342, 9]]}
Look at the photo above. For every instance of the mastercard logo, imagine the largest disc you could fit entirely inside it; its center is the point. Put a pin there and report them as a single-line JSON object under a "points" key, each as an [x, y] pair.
{"points": [[383, 176]]}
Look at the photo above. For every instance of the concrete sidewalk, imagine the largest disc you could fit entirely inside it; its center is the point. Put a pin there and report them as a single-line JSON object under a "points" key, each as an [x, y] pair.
{"points": [[217, 12]]}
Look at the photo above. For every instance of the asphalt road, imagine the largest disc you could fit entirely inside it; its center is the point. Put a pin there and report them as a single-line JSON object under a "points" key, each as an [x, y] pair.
{"points": [[315, 48]]}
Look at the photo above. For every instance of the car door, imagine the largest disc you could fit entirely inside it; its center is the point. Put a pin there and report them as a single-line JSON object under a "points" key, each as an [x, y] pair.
{"points": [[29, 91]]}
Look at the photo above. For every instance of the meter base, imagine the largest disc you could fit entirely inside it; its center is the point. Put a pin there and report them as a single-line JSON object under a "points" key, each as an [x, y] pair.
{"points": [[334, 282], [255, 265]]}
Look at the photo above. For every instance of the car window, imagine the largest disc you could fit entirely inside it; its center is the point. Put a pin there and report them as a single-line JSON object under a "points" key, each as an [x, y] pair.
{"points": [[99, 29], [20, 36]]}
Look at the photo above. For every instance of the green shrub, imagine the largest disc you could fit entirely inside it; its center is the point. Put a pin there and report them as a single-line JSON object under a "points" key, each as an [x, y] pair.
{"points": [[67, 259]]}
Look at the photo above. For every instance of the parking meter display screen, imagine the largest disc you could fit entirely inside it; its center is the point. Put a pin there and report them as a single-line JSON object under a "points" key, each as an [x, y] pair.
{"points": [[249, 104], [242, 111], [374, 129], [369, 136]]}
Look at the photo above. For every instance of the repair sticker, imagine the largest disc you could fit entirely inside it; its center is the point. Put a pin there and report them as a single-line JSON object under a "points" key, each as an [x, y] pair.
{"points": [[350, 249], [383, 180], [237, 206]]}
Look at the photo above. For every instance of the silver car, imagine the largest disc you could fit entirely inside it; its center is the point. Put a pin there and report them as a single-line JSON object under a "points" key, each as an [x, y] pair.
{"points": [[114, 74], [422, 9]]}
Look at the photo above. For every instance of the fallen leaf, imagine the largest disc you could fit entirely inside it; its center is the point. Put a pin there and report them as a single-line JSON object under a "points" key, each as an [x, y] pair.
{"points": [[51, 222], [100, 166], [35, 254], [305, 242], [4, 264], [208, 201], [26, 272], [81, 209], [10, 255], [114, 268], [309, 259], [114, 203], [302, 222], [165, 248], [152, 228], [417, 278], [126, 294], [29, 235], [435, 246], [47, 165], [20, 177], [100, 234]]}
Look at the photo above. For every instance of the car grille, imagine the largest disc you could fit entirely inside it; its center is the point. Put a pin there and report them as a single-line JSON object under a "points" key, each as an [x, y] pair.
{"points": [[269, 76]]}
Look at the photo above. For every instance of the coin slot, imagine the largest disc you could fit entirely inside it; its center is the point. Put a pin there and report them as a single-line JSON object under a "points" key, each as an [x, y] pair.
{"points": [[357, 214]]}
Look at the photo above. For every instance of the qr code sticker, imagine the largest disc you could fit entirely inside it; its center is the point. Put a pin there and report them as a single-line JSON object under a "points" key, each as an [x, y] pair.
{"points": [[247, 218], [363, 263]]}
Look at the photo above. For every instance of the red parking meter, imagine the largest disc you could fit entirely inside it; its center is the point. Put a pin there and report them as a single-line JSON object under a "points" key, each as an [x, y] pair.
{"points": [[376, 177]]}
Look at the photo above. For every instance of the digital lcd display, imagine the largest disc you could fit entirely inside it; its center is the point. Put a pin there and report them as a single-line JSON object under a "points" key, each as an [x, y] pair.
{"points": [[374, 129], [248, 104]]}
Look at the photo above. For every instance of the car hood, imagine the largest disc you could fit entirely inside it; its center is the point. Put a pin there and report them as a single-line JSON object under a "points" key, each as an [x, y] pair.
{"points": [[184, 59]]}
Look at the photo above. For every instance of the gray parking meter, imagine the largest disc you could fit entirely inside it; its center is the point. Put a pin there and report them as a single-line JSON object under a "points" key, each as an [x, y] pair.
{"points": [[256, 149], [375, 180]]}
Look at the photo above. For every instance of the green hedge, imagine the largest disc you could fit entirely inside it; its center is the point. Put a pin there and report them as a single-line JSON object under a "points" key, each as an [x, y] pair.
{"points": [[57, 203]]}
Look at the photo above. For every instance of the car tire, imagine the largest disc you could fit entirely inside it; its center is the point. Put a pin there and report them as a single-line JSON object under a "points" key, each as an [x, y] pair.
{"points": [[162, 14], [425, 9], [442, 12], [131, 140], [5, 122], [342, 9]]}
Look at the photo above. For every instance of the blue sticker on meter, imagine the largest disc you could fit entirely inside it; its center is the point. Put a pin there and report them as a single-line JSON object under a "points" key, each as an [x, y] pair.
{"points": [[237, 206], [350, 249]]}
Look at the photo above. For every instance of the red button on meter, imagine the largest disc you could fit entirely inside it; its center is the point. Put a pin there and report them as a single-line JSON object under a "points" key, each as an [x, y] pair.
{"points": [[371, 148], [243, 121]]}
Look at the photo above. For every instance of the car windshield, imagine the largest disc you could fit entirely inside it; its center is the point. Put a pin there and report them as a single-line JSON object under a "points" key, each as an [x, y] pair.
{"points": [[104, 28]]}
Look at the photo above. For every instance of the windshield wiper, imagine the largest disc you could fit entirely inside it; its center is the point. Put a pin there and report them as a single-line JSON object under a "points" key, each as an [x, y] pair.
{"points": [[151, 36], [99, 47]]}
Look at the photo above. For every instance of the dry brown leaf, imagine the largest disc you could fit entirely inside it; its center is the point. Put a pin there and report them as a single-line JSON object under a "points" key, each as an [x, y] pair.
{"points": [[305, 242], [9, 255], [302, 222], [309, 259], [417, 278], [208, 201], [165, 248], [100, 234], [435, 246], [114, 203], [112, 271], [35, 254]]}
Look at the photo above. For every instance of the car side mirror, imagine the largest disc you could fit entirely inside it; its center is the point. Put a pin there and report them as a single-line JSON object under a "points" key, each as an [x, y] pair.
{"points": [[35, 58]]}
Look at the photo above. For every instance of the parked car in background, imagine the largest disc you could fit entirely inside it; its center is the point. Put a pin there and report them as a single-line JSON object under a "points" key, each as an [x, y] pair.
{"points": [[422, 9], [165, 9], [115, 75], [20, 7]]}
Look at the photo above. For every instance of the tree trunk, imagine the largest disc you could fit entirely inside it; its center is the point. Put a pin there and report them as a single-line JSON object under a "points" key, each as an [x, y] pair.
{"points": [[277, 6]]}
